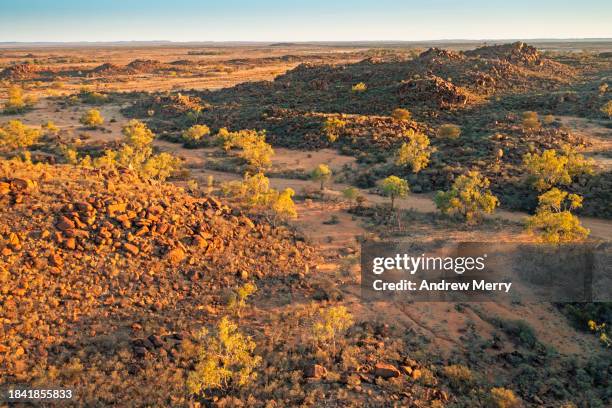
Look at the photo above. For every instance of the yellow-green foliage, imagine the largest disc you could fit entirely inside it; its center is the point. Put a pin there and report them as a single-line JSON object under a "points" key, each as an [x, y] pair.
{"points": [[283, 206], [401, 114], [415, 152], [92, 97], [322, 173], [606, 109], [137, 154], [329, 324], [160, 166], [350, 193], [137, 134], [15, 135], [257, 153], [51, 128], [548, 119], [238, 299], [225, 357], [553, 219], [458, 375], [393, 187], [469, 197], [332, 128], [503, 398], [359, 87], [71, 156], [92, 118], [602, 331], [449, 131], [530, 120], [16, 102], [195, 133], [551, 168], [255, 193]]}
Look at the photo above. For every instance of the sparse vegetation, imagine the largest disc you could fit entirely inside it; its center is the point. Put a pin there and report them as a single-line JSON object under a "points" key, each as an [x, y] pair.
{"points": [[331, 323], [530, 120], [195, 134], [606, 109], [359, 87], [469, 198], [17, 102], [503, 398]]}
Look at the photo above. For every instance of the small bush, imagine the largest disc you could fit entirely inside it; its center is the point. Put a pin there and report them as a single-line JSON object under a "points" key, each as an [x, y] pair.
{"points": [[258, 154], [16, 102], [330, 323], [15, 135], [239, 297], [92, 119], [469, 197], [553, 220], [225, 357], [332, 128], [530, 120], [606, 109], [551, 168], [359, 87], [449, 131], [137, 134], [393, 187], [503, 398], [401, 114], [459, 376], [195, 134]]}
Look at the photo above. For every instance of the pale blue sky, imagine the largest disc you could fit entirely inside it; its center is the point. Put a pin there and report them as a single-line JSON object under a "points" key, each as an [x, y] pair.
{"points": [[307, 20]]}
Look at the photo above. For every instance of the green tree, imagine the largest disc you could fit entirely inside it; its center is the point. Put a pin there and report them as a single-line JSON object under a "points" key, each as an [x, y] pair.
{"points": [[15, 135], [92, 119], [553, 220], [415, 152], [449, 131], [322, 173], [160, 166], [258, 154], [225, 358], [351, 194], [394, 187], [283, 205], [469, 197]]}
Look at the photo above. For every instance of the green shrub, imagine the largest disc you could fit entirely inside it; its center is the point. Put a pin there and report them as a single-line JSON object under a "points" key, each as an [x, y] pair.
{"points": [[331, 323], [606, 109], [332, 128], [459, 376], [16, 102], [469, 197], [503, 398]]}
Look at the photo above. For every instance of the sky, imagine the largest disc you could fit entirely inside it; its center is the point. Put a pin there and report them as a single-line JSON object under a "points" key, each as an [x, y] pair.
{"points": [[301, 20]]}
